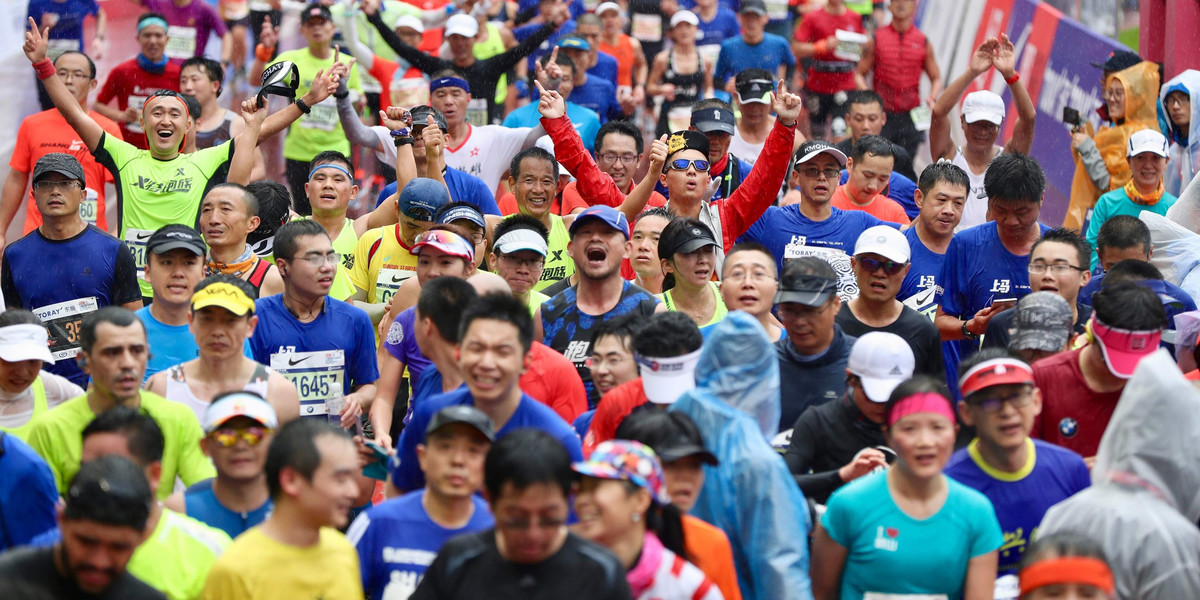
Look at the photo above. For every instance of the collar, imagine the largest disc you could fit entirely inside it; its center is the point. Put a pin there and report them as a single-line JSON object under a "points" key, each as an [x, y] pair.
{"points": [[1004, 476]]}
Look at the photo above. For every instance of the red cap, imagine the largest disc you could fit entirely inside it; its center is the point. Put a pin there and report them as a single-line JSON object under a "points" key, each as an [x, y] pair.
{"points": [[998, 371], [1123, 349]]}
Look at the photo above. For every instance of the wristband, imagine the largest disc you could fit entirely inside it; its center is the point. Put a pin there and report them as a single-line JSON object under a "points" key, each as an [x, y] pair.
{"points": [[820, 47], [303, 106], [402, 141], [1015, 78], [44, 69], [967, 335], [263, 52], [401, 133], [341, 94]]}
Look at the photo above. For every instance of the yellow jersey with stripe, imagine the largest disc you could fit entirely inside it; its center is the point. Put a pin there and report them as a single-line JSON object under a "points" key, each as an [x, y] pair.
{"points": [[382, 262], [558, 262]]}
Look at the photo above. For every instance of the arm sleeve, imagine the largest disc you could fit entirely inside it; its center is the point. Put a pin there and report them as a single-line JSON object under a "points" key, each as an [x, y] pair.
{"points": [[356, 131], [758, 191], [415, 57], [37, 499], [11, 298], [592, 183], [125, 282]]}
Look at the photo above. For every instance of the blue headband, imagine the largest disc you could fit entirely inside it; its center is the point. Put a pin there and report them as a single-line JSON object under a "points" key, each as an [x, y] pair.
{"points": [[330, 166], [442, 82], [152, 21]]}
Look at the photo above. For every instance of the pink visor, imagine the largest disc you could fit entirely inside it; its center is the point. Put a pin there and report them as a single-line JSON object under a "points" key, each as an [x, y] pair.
{"points": [[447, 241], [1123, 349]]}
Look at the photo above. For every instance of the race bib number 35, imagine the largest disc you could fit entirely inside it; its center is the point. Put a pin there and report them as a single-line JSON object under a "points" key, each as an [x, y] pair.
{"points": [[64, 321], [318, 376]]}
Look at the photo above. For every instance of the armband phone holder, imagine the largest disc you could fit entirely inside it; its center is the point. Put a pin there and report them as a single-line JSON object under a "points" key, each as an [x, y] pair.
{"points": [[279, 79]]}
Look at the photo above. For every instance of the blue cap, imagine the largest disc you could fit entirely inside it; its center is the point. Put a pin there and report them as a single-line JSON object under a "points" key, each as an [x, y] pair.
{"points": [[422, 197], [461, 213], [575, 43], [607, 214]]}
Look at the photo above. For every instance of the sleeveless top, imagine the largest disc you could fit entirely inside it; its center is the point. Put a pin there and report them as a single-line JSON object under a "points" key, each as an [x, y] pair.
{"points": [[623, 52], [719, 311], [688, 89], [217, 135], [489, 48], [899, 62], [558, 263], [178, 390], [200, 503], [975, 209], [39, 406]]}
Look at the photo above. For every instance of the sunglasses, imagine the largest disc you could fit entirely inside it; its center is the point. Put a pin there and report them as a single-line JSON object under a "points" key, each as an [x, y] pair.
{"points": [[889, 267], [227, 437], [682, 164]]}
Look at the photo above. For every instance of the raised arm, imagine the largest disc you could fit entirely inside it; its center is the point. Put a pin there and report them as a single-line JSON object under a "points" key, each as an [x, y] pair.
{"points": [[245, 145], [758, 191], [323, 85], [1005, 60], [940, 144], [360, 51], [357, 132], [509, 59], [267, 39], [415, 57], [636, 201], [935, 74], [595, 185], [89, 131]]}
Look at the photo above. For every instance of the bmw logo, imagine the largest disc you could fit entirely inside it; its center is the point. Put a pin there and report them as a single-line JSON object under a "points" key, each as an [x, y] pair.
{"points": [[1068, 427]]}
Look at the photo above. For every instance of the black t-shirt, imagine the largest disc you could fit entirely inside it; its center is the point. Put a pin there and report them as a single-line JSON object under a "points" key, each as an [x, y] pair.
{"points": [[920, 333], [471, 567], [35, 566]]}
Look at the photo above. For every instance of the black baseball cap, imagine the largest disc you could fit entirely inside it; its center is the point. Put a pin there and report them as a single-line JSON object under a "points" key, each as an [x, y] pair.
{"points": [[684, 236], [420, 116], [714, 119], [314, 10], [174, 237], [1119, 60], [687, 140], [467, 415], [58, 162], [672, 435], [800, 286], [753, 6]]}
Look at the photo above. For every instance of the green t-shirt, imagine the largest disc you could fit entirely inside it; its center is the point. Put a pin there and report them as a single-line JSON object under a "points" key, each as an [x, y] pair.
{"points": [[57, 435], [152, 193], [176, 558], [320, 129]]}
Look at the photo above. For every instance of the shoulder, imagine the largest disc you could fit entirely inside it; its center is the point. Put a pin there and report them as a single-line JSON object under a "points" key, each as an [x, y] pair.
{"points": [[1056, 457], [971, 499], [543, 417], [960, 464], [203, 536], [867, 490], [166, 411], [590, 553], [1058, 362]]}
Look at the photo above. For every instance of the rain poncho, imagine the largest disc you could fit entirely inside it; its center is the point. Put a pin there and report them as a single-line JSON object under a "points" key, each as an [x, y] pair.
{"points": [[1141, 112], [1184, 159], [1144, 501], [750, 495]]}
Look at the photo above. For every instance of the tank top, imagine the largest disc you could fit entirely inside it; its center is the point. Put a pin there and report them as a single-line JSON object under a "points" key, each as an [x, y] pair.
{"points": [[200, 503], [899, 62], [718, 313], [217, 135], [558, 263], [688, 88], [39, 406], [178, 390], [489, 48], [975, 209], [623, 52]]}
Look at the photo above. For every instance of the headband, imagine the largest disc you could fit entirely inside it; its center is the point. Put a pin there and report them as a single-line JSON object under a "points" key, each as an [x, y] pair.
{"points": [[1070, 569], [331, 166], [146, 104], [152, 21], [442, 82], [924, 402]]}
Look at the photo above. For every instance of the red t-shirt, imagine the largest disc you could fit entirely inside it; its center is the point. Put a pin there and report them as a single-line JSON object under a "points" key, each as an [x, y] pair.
{"points": [[131, 86], [612, 409], [552, 380], [572, 200], [816, 26], [1073, 416], [881, 206], [46, 132]]}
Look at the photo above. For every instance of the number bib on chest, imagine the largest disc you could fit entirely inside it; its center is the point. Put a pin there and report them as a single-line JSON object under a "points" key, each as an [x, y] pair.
{"points": [[388, 283], [318, 377], [647, 28], [63, 321], [181, 42], [323, 117], [135, 240], [90, 207], [477, 112]]}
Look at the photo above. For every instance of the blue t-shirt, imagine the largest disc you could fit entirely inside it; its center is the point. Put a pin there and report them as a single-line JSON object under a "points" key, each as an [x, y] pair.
{"points": [[201, 503], [69, 24], [585, 120], [577, 7], [27, 493], [890, 552], [598, 95], [326, 358], [724, 26], [524, 31], [170, 344], [463, 187], [406, 472], [1051, 474], [920, 285], [900, 188], [396, 542], [605, 67], [737, 56]]}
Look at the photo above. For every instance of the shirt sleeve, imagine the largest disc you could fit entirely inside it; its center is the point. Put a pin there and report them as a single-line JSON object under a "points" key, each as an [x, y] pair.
{"points": [[950, 293], [1099, 216], [722, 65], [477, 193], [111, 88], [40, 440], [403, 468], [988, 535], [125, 281], [22, 156], [225, 583], [362, 536], [34, 512], [835, 520]]}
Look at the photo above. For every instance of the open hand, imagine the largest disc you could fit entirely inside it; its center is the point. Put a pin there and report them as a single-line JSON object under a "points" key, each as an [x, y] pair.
{"points": [[981, 60], [551, 104], [867, 460], [1004, 58]]}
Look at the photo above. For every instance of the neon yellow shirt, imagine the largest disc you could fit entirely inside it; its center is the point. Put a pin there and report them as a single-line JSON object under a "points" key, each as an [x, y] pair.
{"points": [[536, 299], [256, 567], [342, 289], [558, 263], [489, 48], [57, 436], [320, 129], [382, 262], [176, 558], [718, 313]]}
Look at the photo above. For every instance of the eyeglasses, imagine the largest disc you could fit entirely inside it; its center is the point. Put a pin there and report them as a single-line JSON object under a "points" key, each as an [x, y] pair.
{"points": [[1056, 268], [227, 437], [66, 184], [598, 361], [993, 404], [889, 267], [626, 159], [77, 75], [319, 260], [1114, 93], [682, 164], [528, 263], [757, 276], [814, 172]]}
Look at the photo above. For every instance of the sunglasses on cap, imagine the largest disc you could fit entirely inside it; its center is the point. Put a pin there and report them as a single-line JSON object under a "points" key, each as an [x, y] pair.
{"points": [[682, 164], [227, 437], [890, 267]]}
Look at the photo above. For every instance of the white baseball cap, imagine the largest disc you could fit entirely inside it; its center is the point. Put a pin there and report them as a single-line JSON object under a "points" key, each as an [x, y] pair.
{"points": [[881, 361], [239, 404], [685, 16], [413, 23], [983, 106], [666, 379], [607, 6], [25, 341], [1147, 140], [885, 241], [464, 25]]}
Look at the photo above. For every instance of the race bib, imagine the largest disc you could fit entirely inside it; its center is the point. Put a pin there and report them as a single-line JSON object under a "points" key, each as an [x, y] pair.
{"points": [[477, 112], [64, 321], [679, 118], [921, 117], [849, 45], [777, 9], [709, 53], [388, 283], [323, 116], [318, 376], [90, 207], [840, 261], [646, 28], [137, 102], [410, 91], [181, 42], [56, 47], [1008, 587], [135, 240]]}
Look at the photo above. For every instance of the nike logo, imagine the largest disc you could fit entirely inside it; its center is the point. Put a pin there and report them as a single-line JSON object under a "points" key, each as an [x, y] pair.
{"points": [[398, 279], [143, 236], [292, 363], [925, 297]]}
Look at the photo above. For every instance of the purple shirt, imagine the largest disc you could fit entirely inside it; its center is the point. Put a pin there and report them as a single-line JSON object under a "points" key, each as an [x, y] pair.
{"points": [[190, 26], [401, 342]]}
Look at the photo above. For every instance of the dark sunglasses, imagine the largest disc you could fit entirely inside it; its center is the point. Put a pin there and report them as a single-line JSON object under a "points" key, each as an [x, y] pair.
{"points": [[682, 164], [889, 267]]}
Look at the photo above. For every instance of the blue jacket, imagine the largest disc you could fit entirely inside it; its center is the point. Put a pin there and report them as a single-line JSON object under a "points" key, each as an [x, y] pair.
{"points": [[809, 382]]}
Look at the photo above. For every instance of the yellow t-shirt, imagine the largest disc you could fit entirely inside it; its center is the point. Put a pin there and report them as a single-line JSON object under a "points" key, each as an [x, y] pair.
{"points": [[536, 299], [558, 263], [57, 436], [344, 245], [380, 273], [176, 558], [257, 567]]}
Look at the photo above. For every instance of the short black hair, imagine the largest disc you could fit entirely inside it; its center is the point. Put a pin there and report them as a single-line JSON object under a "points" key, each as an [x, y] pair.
{"points": [[193, 106], [248, 197], [750, 247], [667, 334], [1123, 231], [91, 63], [141, 432], [1013, 177], [657, 211], [211, 68], [943, 170], [328, 157], [873, 145], [563, 61], [1129, 305], [864, 97], [524, 458], [917, 385], [623, 328], [285, 238], [110, 490], [236, 282], [984, 354], [274, 208], [624, 128], [534, 152], [1069, 237], [295, 446], [115, 315], [442, 301], [519, 221], [1131, 269], [500, 307], [19, 316]]}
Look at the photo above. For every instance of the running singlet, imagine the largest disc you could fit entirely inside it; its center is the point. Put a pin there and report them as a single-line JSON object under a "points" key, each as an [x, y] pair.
{"points": [[223, 132], [200, 503], [718, 314], [320, 129], [380, 263], [558, 265], [178, 390], [47, 391], [152, 193], [975, 209]]}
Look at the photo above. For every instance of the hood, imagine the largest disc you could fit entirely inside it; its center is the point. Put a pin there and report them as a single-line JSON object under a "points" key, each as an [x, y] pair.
{"points": [[1187, 82], [740, 367], [1153, 436], [1141, 85]]}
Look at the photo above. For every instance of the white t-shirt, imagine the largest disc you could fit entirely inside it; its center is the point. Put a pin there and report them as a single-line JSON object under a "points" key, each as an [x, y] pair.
{"points": [[744, 150], [487, 152], [975, 209]]}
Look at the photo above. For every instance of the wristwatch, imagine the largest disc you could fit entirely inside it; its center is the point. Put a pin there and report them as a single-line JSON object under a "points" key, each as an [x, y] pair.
{"points": [[967, 335], [303, 106]]}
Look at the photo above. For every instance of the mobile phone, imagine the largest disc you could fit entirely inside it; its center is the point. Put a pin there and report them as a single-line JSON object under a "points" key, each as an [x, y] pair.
{"points": [[1071, 116], [1004, 303]]}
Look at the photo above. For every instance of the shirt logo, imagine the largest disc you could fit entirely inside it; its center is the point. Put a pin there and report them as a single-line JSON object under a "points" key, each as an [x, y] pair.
{"points": [[1068, 427], [1000, 286], [577, 352], [165, 187], [886, 538]]}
